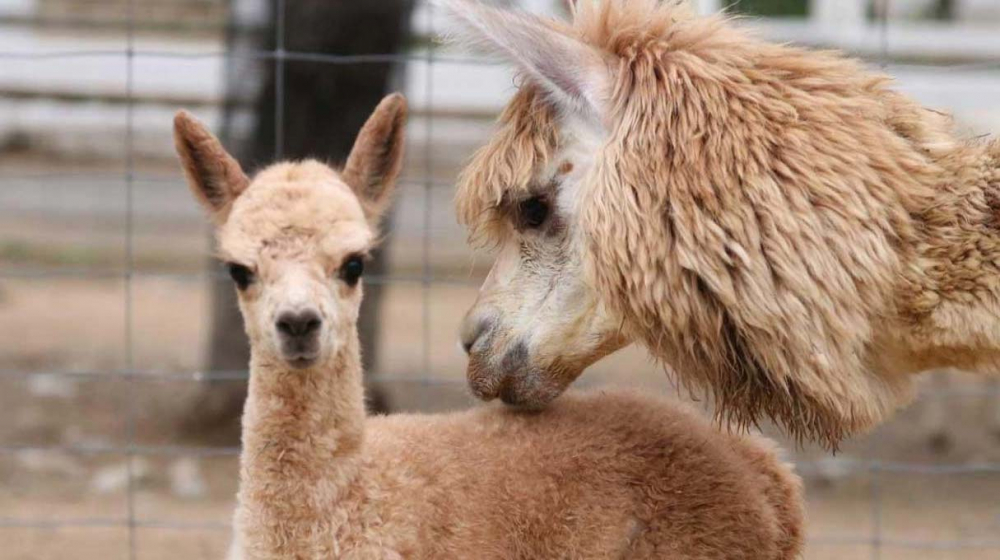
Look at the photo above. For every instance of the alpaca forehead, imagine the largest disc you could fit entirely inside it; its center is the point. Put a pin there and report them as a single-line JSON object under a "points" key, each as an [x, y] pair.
{"points": [[282, 208], [295, 217]]}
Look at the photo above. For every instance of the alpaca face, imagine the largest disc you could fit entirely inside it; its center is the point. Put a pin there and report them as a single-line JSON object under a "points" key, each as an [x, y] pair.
{"points": [[296, 237], [537, 324], [295, 243]]}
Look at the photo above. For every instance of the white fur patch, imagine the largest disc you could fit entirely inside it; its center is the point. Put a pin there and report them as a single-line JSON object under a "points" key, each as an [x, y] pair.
{"points": [[582, 139]]}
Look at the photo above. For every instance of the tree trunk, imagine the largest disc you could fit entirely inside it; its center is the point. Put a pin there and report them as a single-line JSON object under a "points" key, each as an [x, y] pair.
{"points": [[324, 106]]}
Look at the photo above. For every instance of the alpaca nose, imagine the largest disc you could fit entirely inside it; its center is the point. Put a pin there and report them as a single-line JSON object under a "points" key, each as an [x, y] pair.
{"points": [[473, 328], [298, 324]]}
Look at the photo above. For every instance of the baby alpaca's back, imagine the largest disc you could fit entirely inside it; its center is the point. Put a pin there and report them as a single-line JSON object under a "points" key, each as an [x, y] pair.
{"points": [[597, 475]]}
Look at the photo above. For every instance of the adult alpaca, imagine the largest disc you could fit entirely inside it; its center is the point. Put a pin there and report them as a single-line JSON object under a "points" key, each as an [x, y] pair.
{"points": [[776, 224], [597, 476]]}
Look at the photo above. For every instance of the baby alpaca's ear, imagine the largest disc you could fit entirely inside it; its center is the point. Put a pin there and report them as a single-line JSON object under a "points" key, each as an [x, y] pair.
{"points": [[215, 178], [377, 156]]}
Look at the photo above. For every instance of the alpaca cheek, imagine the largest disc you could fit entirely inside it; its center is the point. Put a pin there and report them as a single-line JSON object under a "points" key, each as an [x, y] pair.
{"points": [[345, 307], [250, 311]]}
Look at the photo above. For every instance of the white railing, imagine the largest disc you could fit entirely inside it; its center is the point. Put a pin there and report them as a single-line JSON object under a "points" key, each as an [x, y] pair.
{"points": [[968, 86]]}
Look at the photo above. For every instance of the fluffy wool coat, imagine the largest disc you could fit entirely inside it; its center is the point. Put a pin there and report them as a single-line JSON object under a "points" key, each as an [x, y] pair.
{"points": [[778, 225]]}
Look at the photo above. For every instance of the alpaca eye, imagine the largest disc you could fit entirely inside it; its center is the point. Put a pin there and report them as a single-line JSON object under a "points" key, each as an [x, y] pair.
{"points": [[533, 212], [352, 269], [242, 275]]}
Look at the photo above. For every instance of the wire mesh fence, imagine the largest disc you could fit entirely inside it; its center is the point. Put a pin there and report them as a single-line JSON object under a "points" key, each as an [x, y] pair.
{"points": [[885, 499]]}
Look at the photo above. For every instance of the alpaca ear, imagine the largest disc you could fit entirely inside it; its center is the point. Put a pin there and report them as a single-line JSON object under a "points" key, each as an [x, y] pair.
{"points": [[215, 178], [576, 75], [377, 156]]}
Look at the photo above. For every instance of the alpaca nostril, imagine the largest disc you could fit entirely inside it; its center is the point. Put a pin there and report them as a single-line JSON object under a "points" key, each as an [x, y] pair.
{"points": [[298, 324], [470, 336]]}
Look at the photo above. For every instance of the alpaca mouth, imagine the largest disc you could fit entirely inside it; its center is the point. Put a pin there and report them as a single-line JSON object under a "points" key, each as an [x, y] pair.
{"points": [[301, 361], [524, 387], [300, 353]]}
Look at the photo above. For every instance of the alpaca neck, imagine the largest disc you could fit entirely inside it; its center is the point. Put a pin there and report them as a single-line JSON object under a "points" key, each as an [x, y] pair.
{"points": [[302, 433]]}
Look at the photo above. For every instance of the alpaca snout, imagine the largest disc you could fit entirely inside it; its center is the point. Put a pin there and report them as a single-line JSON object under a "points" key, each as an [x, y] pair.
{"points": [[299, 334], [298, 324], [513, 378], [484, 382], [475, 329], [490, 378]]}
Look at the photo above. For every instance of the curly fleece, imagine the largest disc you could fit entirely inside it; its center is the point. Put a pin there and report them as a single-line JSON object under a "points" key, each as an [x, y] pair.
{"points": [[777, 225]]}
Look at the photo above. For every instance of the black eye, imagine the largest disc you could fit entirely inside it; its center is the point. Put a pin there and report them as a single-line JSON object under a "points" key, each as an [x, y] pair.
{"points": [[242, 275], [533, 212], [352, 269]]}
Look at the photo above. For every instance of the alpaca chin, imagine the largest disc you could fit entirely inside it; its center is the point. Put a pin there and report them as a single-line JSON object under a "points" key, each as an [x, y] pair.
{"points": [[301, 362]]}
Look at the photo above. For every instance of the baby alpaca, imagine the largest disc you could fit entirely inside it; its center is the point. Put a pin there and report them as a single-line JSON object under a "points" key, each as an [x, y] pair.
{"points": [[595, 476]]}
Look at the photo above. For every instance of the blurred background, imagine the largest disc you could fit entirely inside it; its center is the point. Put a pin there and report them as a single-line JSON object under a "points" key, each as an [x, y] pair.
{"points": [[122, 357]]}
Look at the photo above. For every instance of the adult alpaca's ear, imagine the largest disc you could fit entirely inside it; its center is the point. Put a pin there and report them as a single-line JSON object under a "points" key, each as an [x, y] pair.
{"points": [[576, 75], [377, 156], [215, 178]]}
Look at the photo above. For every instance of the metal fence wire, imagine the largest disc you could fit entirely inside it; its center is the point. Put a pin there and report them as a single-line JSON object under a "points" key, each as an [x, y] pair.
{"points": [[873, 543]]}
